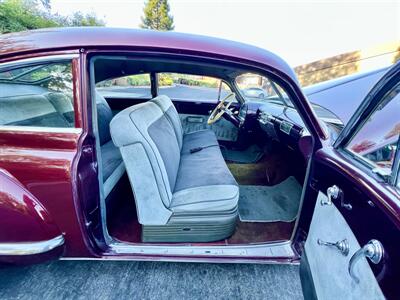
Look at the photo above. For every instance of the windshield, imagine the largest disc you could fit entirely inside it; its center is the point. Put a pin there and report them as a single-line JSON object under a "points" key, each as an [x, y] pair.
{"points": [[257, 88]]}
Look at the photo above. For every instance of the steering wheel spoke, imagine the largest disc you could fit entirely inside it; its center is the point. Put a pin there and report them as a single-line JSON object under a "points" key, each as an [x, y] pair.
{"points": [[220, 109]]}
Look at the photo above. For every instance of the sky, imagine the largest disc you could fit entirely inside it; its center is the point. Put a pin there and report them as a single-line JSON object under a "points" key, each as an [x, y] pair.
{"points": [[299, 31]]}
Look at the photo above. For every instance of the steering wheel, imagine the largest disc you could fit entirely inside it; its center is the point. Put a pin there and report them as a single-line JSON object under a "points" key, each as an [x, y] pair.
{"points": [[220, 109]]}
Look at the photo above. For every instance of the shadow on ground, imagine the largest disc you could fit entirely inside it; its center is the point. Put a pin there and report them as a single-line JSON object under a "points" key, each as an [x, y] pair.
{"points": [[148, 280]]}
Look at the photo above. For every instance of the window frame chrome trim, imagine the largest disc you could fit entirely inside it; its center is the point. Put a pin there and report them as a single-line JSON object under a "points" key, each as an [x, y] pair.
{"points": [[30, 248], [20, 63], [37, 60]]}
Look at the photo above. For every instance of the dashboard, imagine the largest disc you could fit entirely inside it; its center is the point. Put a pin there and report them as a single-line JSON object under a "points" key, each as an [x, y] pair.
{"points": [[283, 124]]}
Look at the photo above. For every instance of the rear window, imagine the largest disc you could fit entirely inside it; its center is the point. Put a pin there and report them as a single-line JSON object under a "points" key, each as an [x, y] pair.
{"points": [[37, 96]]}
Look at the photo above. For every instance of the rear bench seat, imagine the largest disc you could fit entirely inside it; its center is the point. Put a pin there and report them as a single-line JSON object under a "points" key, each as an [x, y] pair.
{"points": [[35, 110], [180, 196], [112, 164]]}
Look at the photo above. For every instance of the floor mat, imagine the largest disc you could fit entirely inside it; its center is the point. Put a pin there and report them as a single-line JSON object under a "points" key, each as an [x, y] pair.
{"points": [[270, 203], [251, 155]]}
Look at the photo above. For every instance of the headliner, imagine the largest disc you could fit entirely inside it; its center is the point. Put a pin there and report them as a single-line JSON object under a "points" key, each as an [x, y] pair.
{"points": [[108, 67], [106, 38]]}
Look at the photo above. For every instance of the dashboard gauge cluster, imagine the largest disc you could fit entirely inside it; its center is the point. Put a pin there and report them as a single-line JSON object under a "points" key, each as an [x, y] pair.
{"points": [[281, 128]]}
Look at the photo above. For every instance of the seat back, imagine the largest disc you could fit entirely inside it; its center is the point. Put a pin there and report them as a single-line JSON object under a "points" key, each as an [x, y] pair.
{"points": [[30, 110], [151, 153], [166, 105], [104, 117]]}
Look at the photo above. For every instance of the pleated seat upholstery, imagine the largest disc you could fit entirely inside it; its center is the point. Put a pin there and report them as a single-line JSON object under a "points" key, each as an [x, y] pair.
{"points": [[180, 196]]}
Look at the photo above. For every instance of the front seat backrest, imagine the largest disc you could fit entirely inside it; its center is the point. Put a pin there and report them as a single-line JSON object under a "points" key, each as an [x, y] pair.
{"points": [[151, 154], [166, 105]]}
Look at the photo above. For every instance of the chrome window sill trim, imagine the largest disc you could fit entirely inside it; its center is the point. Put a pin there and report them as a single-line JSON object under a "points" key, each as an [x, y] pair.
{"points": [[30, 248], [41, 129], [271, 250]]}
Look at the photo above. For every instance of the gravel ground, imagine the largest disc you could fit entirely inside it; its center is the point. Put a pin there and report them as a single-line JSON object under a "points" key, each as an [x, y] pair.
{"points": [[149, 280]]}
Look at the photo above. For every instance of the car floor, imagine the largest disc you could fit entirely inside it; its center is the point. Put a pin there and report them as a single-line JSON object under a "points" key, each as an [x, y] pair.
{"points": [[149, 280], [271, 170], [123, 226]]}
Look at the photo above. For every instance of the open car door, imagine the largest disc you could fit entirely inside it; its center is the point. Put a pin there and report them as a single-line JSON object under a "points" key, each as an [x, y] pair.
{"points": [[352, 249]]}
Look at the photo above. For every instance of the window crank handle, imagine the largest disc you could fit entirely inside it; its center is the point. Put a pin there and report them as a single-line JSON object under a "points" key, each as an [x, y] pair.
{"points": [[342, 246]]}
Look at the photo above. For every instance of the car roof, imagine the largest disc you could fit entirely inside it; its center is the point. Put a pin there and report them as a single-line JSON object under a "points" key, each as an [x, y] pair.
{"points": [[103, 37]]}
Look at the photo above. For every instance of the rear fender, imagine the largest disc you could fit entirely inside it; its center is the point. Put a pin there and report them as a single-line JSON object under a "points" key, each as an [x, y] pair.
{"points": [[27, 231]]}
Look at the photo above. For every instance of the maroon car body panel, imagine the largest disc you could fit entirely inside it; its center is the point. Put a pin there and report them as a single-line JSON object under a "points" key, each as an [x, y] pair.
{"points": [[22, 217], [96, 37], [41, 162]]}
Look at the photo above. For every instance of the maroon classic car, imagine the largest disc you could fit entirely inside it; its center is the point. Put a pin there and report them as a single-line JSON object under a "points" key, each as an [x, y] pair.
{"points": [[142, 145]]}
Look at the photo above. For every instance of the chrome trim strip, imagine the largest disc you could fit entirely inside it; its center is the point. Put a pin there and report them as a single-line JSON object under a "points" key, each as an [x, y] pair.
{"points": [[41, 129], [37, 59], [30, 248], [258, 261], [271, 250]]}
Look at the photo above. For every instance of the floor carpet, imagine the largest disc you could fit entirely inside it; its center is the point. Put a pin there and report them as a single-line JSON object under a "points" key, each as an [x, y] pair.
{"points": [[250, 155], [270, 203]]}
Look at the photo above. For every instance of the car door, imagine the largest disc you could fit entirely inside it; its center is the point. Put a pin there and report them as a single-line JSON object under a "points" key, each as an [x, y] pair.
{"points": [[40, 127], [353, 243]]}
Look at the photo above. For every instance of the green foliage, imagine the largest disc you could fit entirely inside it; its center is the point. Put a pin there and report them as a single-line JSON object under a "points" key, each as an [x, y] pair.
{"points": [[91, 19], [19, 15], [194, 80], [156, 16], [139, 80], [165, 79]]}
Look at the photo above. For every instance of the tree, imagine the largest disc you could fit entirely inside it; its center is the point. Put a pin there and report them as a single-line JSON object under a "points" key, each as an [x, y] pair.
{"points": [[19, 15], [90, 19], [156, 15]]}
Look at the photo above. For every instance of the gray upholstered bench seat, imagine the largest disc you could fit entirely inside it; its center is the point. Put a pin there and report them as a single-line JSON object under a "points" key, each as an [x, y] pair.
{"points": [[188, 141], [113, 167], [199, 139], [180, 196]]}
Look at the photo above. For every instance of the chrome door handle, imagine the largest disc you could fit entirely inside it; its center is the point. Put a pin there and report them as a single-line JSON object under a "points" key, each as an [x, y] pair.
{"points": [[373, 250], [343, 245]]}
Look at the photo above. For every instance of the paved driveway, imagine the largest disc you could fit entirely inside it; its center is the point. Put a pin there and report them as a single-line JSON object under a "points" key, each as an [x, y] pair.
{"points": [[149, 280]]}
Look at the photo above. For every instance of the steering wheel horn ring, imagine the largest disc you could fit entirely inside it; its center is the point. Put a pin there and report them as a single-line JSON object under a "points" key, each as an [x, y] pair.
{"points": [[220, 109]]}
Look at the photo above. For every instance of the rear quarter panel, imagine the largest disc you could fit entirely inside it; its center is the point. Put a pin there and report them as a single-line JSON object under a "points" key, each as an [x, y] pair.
{"points": [[37, 199]]}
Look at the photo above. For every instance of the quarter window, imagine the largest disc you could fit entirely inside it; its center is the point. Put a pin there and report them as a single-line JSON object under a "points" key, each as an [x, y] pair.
{"points": [[38, 96], [377, 140], [133, 86]]}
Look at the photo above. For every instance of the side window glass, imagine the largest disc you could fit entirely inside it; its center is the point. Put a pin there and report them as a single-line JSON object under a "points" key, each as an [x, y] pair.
{"points": [[186, 87], [37, 96], [132, 86], [377, 140]]}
